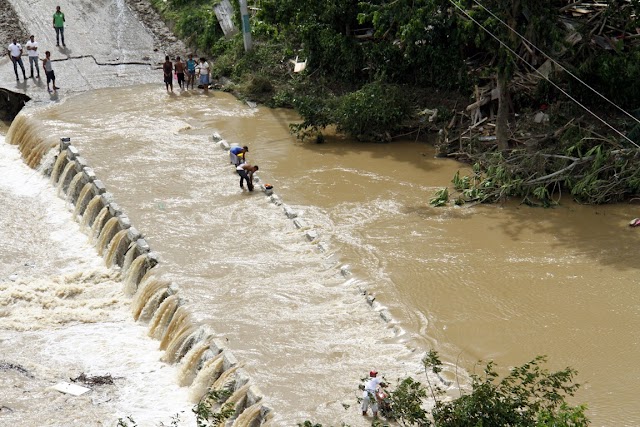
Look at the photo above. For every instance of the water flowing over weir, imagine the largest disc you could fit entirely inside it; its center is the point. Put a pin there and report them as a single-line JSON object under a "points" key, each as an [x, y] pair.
{"points": [[120, 244], [489, 282], [205, 361]]}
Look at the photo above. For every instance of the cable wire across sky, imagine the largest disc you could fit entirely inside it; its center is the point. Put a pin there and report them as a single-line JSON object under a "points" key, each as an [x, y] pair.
{"points": [[542, 75]]}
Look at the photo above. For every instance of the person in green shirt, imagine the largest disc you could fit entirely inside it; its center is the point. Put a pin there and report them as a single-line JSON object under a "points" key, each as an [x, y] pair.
{"points": [[58, 25]]}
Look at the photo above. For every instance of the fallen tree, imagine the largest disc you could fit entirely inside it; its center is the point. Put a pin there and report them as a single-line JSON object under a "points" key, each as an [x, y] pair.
{"points": [[572, 159]]}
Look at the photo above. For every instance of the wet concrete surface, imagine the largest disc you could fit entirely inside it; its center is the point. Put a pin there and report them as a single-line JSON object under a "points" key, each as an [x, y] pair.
{"points": [[108, 44]]}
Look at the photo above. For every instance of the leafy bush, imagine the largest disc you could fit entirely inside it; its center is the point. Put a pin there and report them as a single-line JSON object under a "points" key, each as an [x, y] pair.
{"points": [[373, 112]]}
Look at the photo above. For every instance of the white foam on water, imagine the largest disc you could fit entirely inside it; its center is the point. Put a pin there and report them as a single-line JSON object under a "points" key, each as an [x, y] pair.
{"points": [[63, 313]]}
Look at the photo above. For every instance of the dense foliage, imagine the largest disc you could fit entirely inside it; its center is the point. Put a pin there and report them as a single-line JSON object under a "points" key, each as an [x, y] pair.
{"points": [[373, 66]]}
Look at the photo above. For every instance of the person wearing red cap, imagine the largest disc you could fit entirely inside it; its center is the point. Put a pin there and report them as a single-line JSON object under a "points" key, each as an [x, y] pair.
{"points": [[369, 394]]}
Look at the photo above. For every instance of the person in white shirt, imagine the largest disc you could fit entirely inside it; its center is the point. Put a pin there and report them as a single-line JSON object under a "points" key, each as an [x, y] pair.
{"points": [[15, 53], [369, 395], [204, 69], [32, 52], [246, 172]]}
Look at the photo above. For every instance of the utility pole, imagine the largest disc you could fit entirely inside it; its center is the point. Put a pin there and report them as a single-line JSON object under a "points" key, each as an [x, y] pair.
{"points": [[246, 28]]}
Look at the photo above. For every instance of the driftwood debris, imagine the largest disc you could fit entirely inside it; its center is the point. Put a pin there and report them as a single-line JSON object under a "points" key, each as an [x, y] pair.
{"points": [[585, 25], [93, 380]]}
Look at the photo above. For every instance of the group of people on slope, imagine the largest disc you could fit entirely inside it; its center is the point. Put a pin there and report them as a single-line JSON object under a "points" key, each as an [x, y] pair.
{"points": [[189, 69], [15, 52], [238, 158]]}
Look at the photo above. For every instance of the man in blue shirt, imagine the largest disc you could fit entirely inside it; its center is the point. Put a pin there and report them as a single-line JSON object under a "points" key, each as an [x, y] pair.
{"points": [[238, 155]]}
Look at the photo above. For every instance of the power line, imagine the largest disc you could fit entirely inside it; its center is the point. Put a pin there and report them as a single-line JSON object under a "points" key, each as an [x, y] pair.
{"points": [[556, 62], [542, 75]]}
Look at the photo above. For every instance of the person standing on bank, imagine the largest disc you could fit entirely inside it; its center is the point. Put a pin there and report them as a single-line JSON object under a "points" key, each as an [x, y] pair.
{"points": [[15, 53], [167, 69], [48, 70], [246, 172], [58, 25], [32, 52], [205, 70]]}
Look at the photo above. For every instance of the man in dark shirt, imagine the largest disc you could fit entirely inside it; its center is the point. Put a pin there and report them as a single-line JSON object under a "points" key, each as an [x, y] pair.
{"points": [[167, 69]]}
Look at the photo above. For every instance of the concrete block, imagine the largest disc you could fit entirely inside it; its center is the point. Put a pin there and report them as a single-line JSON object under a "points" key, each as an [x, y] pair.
{"points": [[216, 346], [64, 143], [81, 163], [99, 189], [242, 378], [228, 360], [254, 395], [386, 316], [323, 247], [143, 246], [216, 137], [133, 234], [370, 299], [173, 289], [153, 257], [72, 152], [311, 235], [124, 222], [299, 223], [275, 200], [114, 209], [289, 212], [89, 174], [265, 411], [105, 197], [224, 145]]}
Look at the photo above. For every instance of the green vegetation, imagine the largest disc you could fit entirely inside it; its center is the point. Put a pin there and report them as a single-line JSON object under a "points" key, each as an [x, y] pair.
{"points": [[373, 66], [529, 396], [213, 410]]}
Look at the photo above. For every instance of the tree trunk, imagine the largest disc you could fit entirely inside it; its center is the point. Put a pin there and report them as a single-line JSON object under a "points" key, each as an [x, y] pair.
{"points": [[502, 120]]}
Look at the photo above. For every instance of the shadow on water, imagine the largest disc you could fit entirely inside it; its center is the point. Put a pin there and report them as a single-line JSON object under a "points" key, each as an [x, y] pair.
{"points": [[600, 233]]}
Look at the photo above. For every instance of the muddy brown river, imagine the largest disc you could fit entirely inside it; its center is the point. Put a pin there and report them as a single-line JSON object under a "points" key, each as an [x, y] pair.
{"points": [[503, 283]]}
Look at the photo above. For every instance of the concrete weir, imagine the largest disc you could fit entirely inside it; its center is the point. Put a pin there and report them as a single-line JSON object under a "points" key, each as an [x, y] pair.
{"points": [[206, 365], [314, 238]]}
